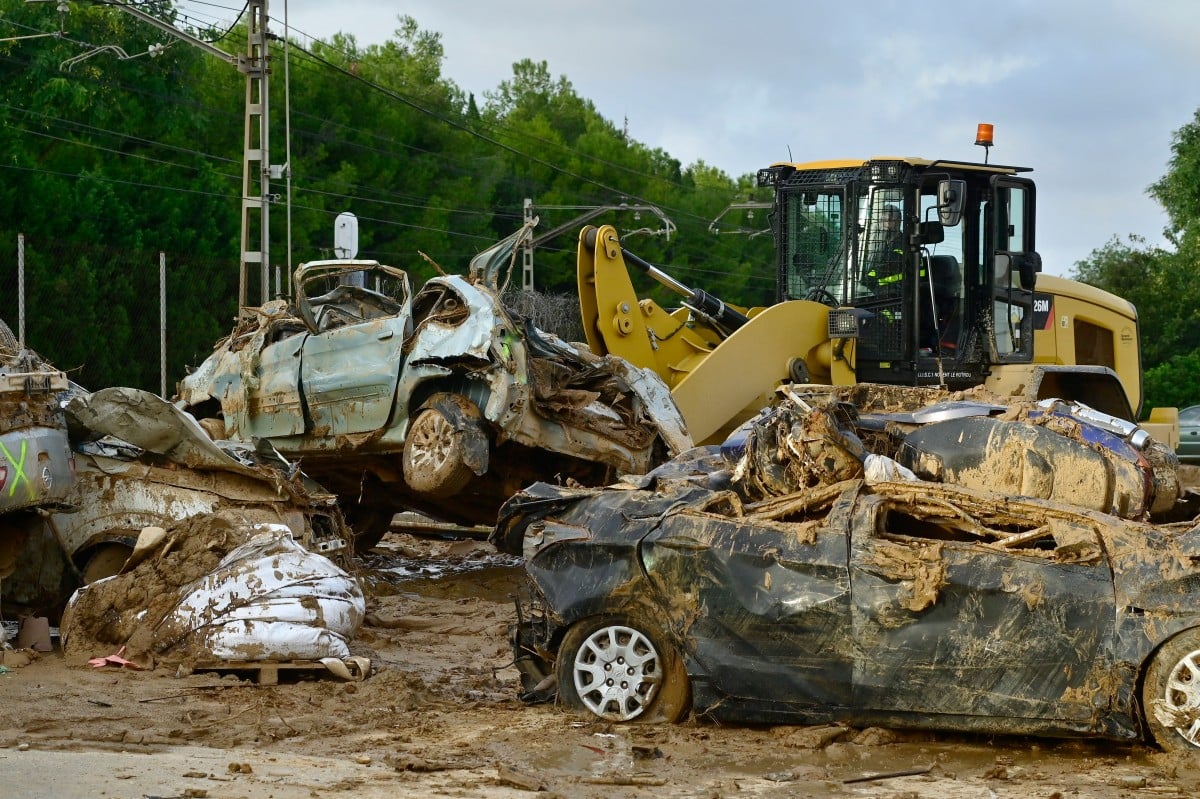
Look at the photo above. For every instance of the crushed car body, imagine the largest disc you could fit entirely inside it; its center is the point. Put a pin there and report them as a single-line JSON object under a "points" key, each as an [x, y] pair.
{"points": [[804, 576], [142, 463], [443, 402]]}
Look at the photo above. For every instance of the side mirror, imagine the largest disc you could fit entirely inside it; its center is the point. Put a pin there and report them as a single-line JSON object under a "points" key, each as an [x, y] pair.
{"points": [[952, 198], [1028, 266], [1024, 265], [931, 233]]}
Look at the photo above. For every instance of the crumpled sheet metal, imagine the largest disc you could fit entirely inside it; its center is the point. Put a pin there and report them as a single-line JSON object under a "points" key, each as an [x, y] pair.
{"points": [[148, 421]]}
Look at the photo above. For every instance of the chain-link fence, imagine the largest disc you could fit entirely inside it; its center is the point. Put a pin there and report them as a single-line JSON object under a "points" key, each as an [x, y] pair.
{"points": [[115, 317]]}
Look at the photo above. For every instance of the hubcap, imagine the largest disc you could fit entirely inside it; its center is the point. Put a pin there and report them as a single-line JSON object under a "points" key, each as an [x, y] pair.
{"points": [[1182, 696], [617, 673]]}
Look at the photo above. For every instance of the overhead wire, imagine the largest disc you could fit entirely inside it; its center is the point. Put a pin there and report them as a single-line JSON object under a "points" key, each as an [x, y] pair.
{"points": [[417, 106], [393, 94]]}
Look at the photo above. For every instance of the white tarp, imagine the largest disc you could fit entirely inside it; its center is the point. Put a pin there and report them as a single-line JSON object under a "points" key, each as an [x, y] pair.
{"points": [[268, 599]]}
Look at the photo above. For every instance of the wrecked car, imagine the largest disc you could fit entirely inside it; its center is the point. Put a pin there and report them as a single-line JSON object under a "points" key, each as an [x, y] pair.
{"points": [[443, 402], [36, 466], [140, 462], [829, 583]]}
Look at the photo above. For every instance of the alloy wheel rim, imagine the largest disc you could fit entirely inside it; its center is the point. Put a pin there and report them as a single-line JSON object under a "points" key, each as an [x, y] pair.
{"points": [[432, 442], [1182, 695]]}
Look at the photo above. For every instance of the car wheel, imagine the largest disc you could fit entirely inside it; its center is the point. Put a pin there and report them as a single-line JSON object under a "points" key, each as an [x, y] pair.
{"points": [[622, 670], [435, 457], [370, 525], [105, 560], [1171, 693]]}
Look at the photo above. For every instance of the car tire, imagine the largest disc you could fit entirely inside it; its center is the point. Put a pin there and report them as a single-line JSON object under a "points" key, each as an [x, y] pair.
{"points": [[1171, 690], [652, 684], [435, 458], [369, 525], [104, 561]]}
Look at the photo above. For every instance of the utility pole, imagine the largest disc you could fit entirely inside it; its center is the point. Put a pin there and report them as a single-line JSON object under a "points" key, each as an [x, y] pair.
{"points": [[257, 170], [256, 164]]}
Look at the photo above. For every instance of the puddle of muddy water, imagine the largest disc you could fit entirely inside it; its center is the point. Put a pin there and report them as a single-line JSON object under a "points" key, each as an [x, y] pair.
{"points": [[479, 573]]}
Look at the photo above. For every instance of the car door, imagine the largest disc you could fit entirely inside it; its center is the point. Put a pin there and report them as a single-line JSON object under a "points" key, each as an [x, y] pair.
{"points": [[349, 375], [972, 631], [774, 601], [273, 405]]}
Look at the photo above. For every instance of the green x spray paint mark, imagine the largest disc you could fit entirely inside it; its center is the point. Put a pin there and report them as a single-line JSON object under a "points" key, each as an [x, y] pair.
{"points": [[19, 467]]}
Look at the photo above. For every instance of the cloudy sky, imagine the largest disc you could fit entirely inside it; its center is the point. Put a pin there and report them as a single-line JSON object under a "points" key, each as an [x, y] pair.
{"points": [[1087, 92]]}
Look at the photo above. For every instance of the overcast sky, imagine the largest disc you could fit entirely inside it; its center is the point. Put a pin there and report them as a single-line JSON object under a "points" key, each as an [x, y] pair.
{"points": [[1087, 92]]}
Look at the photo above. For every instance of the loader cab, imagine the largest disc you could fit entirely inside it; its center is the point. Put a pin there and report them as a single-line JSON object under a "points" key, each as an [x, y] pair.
{"points": [[938, 301]]}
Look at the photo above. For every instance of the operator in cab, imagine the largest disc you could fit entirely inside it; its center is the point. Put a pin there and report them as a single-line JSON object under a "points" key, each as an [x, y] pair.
{"points": [[885, 262]]}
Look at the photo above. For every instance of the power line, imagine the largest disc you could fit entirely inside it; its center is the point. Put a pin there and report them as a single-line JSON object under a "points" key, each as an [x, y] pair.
{"points": [[395, 95]]}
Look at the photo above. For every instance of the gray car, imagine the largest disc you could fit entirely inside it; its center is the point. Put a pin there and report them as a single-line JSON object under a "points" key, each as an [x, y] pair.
{"points": [[1189, 435]]}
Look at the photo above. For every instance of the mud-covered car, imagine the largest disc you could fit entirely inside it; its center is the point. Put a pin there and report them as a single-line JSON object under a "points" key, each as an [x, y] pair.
{"points": [[445, 402], [140, 462], [1189, 434], [861, 595], [36, 466]]}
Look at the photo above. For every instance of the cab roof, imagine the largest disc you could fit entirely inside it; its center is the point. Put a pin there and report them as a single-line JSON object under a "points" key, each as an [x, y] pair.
{"points": [[923, 163]]}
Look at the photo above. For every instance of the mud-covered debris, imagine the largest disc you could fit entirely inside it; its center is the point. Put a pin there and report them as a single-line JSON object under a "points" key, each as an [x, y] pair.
{"points": [[139, 462], [1048, 450], [1011, 582], [217, 588]]}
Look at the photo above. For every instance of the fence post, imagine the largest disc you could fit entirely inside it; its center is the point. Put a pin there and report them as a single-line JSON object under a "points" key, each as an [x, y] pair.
{"points": [[21, 291], [162, 323]]}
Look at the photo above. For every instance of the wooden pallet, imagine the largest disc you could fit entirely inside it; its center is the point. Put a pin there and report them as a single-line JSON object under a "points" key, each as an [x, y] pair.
{"points": [[266, 672]]}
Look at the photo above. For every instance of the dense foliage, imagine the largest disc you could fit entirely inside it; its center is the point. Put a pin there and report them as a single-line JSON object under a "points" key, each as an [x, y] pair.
{"points": [[117, 164], [109, 160]]}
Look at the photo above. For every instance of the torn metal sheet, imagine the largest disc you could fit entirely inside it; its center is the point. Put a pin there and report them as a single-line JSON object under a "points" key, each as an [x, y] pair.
{"points": [[794, 589], [355, 382], [149, 422]]}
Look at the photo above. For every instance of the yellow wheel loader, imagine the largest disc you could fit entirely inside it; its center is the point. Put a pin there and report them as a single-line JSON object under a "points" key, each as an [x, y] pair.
{"points": [[901, 271]]}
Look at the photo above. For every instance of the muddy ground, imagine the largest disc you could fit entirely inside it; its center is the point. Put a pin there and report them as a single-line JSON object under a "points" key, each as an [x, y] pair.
{"points": [[439, 717]]}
